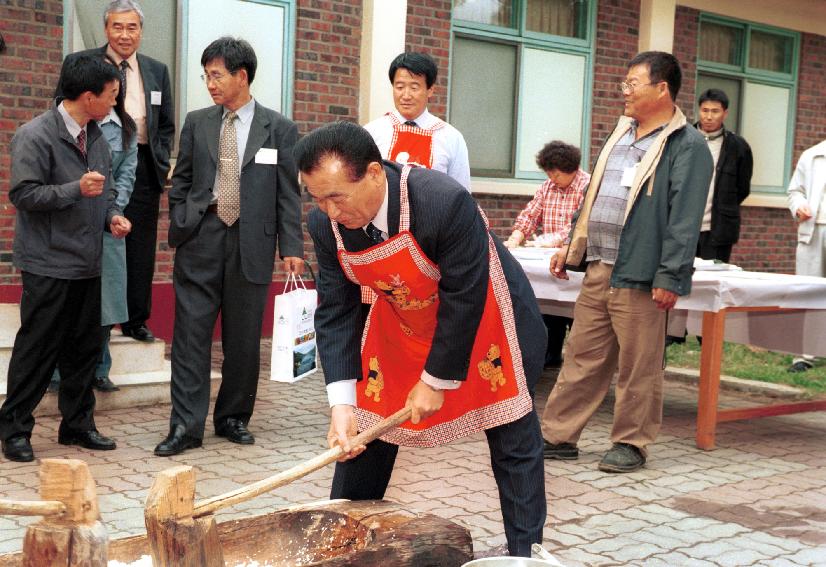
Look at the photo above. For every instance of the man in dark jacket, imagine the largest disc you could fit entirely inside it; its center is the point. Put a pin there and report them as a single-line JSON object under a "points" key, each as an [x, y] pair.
{"points": [[637, 232], [730, 181], [149, 102], [59, 185]]}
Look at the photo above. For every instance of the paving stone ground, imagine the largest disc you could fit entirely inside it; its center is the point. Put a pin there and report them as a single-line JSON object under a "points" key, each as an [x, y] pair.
{"points": [[758, 499]]}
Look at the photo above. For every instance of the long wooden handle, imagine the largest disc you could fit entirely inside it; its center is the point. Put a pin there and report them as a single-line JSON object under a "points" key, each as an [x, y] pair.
{"points": [[212, 505], [32, 508]]}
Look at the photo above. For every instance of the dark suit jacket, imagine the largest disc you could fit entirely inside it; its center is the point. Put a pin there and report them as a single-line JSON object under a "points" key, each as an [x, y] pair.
{"points": [[270, 200], [160, 119], [447, 225], [732, 184]]}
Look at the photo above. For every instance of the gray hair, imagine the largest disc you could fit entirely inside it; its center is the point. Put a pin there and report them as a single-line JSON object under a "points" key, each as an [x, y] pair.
{"points": [[119, 6]]}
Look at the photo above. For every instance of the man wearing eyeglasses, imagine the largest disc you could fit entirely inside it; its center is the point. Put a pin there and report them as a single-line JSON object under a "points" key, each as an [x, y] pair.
{"points": [[149, 102], [635, 236], [234, 197]]}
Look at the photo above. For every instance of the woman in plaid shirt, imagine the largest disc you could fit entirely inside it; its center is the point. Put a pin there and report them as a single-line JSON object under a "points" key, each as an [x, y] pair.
{"points": [[556, 200], [554, 204]]}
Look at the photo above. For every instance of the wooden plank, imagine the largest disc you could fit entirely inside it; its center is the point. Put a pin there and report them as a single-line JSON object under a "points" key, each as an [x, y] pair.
{"points": [[768, 411], [175, 538], [711, 357], [32, 508]]}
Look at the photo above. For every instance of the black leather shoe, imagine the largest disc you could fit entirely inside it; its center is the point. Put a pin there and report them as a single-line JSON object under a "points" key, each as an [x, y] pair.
{"points": [[622, 458], [18, 448], [236, 431], [139, 333], [559, 451], [103, 384], [87, 439], [176, 442], [800, 366]]}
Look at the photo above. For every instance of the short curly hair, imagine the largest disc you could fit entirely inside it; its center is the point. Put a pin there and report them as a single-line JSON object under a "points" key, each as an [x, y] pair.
{"points": [[559, 155]]}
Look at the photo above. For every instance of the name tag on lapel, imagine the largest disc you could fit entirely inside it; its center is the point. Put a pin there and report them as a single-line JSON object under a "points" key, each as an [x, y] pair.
{"points": [[155, 97], [267, 156]]}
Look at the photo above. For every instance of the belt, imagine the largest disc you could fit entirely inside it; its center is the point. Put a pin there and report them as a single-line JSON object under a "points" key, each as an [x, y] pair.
{"points": [[213, 208]]}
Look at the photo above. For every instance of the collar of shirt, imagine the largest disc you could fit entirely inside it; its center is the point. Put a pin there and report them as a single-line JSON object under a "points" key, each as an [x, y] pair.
{"points": [[244, 113], [380, 220], [131, 61], [111, 117], [423, 120], [71, 125], [709, 136], [651, 134]]}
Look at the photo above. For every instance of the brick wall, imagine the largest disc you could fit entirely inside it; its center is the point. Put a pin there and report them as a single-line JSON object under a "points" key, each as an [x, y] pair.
{"points": [[33, 31], [328, 36], [617, 40], [811, 94], [428, 30], [326, 89], [686, 31]]}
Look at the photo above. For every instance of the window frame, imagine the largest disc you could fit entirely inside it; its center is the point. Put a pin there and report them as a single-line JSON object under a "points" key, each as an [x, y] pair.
{"points": [[520, 38], [181, 31], [747, 74], [287, 73]]}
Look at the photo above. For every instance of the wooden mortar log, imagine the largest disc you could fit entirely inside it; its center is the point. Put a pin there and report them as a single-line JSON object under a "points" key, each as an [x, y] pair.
{"points": [[176, 538], [75, 538]]}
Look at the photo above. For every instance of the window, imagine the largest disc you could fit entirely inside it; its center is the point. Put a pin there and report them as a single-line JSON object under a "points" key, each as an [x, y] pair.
{"points": [[176, 33], [756, 66], [520, 77]]}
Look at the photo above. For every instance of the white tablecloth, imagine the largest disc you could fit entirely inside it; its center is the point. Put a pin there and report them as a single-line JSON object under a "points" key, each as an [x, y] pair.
{"points": [[800, 331]]}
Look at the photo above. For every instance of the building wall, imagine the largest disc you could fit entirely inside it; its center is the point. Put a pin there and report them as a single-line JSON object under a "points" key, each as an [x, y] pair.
{"points": [[428, 29], [33, 31], [328, 34]]}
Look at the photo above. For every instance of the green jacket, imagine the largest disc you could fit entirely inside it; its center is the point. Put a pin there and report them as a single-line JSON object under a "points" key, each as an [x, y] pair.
{"points": [[664, 211]]}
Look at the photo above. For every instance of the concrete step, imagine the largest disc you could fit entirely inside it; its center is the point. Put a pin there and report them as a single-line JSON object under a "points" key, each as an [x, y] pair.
{"points": [[129, 396], [133, 362]]}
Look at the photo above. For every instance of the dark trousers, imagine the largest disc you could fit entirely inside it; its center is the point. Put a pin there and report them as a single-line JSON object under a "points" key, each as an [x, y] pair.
{"points": [[142, 212], [60, 325], [518, 467], [557, 328], [708, 251], [208, 279]]}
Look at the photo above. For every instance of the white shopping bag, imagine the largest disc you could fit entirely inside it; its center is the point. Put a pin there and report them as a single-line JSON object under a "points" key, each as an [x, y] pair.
{"points": [[293, 335]]}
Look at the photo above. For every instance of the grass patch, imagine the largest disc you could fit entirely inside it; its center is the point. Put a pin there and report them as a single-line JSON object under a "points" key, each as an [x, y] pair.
{"points": [[750, 363]]}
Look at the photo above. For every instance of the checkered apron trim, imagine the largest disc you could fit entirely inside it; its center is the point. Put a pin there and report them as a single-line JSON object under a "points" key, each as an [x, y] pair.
{"points": [[498, 412], [404, 134]]}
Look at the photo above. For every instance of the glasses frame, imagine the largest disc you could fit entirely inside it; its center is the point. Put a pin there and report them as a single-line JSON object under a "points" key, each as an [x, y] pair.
{"points": [[623, 86], [219, 79]]}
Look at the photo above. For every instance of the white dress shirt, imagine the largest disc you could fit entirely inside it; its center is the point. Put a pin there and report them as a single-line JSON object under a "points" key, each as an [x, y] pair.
{"points": [[135, 100], [343, 392], [449, 148]]}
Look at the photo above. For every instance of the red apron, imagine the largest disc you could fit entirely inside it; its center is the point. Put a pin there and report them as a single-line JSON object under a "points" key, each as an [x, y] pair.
{"points": [[399, 332], [411, 144]]}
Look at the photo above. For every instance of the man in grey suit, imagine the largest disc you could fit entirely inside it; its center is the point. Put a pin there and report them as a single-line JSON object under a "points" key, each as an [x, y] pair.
{"points": [[234, 197], [149, 102], [64, 197]]}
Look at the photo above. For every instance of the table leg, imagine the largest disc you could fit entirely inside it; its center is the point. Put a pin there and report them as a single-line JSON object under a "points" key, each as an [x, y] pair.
{"points": [[711, 357]]}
